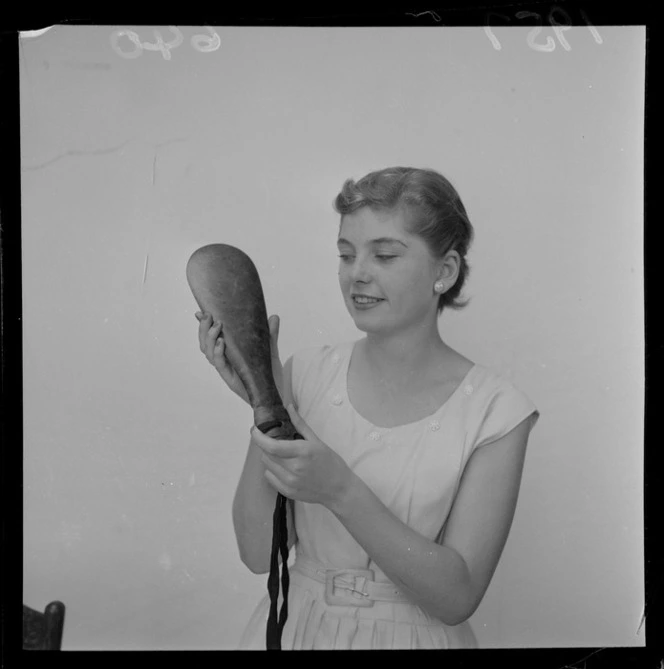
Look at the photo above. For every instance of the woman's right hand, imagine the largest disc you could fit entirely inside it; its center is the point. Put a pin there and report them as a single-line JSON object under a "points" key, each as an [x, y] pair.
{"points": [[211, 341]]}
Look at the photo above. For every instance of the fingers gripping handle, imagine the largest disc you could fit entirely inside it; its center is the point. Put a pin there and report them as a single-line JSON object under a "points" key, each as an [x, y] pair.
{"points": [[280, 429]]}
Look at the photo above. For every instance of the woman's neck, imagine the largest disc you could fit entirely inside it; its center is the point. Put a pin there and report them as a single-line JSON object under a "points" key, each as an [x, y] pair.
{"points": [[402, 357]]}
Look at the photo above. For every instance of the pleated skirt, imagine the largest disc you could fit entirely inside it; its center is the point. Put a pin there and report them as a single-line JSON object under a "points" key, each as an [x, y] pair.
{"points": [[313, 624]]}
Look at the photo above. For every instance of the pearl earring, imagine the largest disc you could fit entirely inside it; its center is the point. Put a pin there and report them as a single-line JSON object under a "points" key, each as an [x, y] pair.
{"points": [[439, 286]]}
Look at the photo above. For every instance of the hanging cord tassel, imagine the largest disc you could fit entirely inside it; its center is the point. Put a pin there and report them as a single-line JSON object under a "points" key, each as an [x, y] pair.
{"points": [[279, 545], [283, 549], [275, 625]]}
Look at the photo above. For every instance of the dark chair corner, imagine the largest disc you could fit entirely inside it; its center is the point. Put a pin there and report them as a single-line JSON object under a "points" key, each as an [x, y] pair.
{"points": [[43, 631]]}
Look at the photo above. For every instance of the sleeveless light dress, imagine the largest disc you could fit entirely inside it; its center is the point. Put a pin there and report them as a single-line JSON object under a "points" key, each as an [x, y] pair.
{"points": [[414, 469]]}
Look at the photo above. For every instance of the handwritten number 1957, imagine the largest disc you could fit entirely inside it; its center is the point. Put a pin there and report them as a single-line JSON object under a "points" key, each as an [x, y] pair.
{"points": [[204, 43], [558, 28]]}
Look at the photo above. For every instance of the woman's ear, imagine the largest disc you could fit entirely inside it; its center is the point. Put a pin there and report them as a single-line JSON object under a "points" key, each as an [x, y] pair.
{"points": [[448, 268]]}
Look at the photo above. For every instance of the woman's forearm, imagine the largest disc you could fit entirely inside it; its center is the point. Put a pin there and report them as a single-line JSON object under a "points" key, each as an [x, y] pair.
{"points": [[435, 577], [253, 510]]}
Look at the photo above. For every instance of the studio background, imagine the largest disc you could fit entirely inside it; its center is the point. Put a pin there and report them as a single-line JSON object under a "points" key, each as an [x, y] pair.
{"points": [[132, 443]]}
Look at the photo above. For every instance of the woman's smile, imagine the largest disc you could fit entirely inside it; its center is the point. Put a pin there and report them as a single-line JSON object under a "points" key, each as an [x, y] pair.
{"points": [[364, 303]]}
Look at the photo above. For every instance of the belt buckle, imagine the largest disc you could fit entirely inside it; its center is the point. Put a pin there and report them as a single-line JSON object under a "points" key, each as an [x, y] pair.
{"points": [[348, 599]]}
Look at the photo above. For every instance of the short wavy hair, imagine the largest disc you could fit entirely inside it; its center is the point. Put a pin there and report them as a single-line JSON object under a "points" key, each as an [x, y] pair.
{"points": [[433, 209]]}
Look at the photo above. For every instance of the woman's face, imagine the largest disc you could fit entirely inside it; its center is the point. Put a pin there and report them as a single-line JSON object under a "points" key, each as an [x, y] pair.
{"points": [[379, 258]]}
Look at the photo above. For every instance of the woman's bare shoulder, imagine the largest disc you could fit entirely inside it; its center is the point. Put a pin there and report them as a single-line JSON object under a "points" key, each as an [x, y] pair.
{"points": [[454, 365]]}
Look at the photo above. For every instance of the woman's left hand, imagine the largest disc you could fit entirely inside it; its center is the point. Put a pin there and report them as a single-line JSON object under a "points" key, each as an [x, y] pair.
{"points": [[306, 470]]}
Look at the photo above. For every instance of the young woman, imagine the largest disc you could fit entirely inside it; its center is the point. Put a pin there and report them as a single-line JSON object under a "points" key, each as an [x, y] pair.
{"points": [[404, 488]]}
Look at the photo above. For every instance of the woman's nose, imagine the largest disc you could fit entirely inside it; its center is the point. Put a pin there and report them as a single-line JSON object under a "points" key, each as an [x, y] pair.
{"points": [[360, 271]]}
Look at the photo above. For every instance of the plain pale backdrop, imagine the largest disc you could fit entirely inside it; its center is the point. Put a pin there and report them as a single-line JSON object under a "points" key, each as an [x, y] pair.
{"points": [[132, 443]]}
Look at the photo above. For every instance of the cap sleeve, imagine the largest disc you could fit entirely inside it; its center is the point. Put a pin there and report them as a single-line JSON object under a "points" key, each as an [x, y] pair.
{"points": [[288, 383], [301, 372], [507, 407]]}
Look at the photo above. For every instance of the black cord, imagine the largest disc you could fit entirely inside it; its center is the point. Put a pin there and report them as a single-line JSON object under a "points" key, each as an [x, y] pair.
{"points": [[275, 625]]}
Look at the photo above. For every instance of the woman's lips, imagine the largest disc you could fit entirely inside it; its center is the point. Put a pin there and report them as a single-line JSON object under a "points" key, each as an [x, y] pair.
{"points": [[365, 303]]}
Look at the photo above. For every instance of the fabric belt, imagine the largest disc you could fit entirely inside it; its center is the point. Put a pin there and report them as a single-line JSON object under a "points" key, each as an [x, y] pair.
{"points": [[349, 587]]}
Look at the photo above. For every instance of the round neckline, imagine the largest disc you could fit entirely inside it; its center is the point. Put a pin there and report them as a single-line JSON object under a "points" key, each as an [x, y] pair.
{"points": [[349, 354]]}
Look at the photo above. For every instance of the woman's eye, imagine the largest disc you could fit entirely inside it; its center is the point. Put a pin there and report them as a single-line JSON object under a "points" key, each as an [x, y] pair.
{"points": [[383, 258]]}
